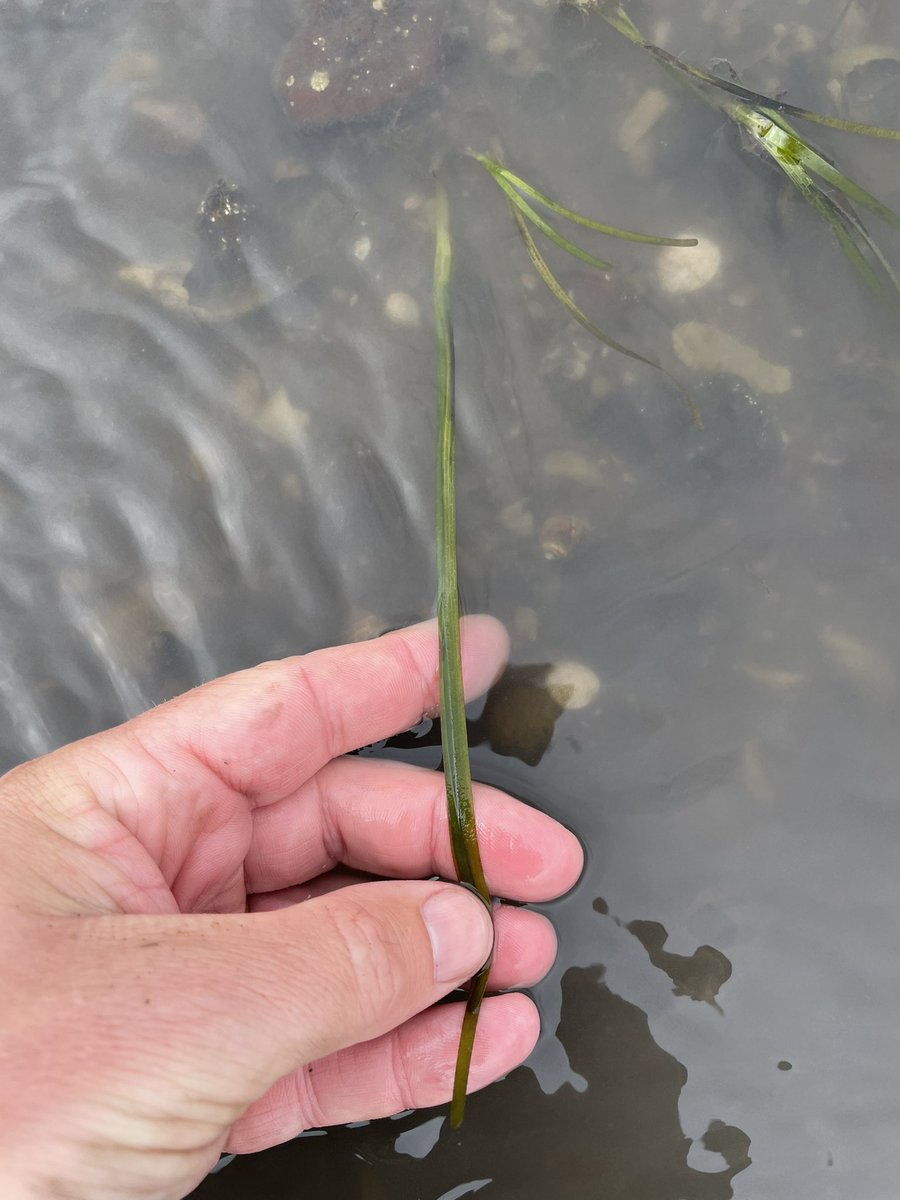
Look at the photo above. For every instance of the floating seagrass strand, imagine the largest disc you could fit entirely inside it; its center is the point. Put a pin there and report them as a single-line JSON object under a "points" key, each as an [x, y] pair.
{"points": [[457, 772], [515, 189], [825, 189]]}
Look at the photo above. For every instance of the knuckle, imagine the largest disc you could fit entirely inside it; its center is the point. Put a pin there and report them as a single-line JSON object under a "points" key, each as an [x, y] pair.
{"points": [[402, 1076], [375, 965], [326, 717]]}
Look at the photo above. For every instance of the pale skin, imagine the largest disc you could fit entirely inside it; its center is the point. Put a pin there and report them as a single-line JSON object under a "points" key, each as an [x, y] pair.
{"points": [[191, 964]]}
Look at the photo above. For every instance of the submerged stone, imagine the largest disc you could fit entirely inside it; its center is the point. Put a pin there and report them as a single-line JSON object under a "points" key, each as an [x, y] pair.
{"points": [[703, 347], [221, 280], [354, 59], [222, 217]]}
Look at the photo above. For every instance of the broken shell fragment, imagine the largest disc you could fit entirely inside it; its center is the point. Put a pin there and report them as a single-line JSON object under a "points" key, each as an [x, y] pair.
{"points": [[163, 282], [560, 534]]}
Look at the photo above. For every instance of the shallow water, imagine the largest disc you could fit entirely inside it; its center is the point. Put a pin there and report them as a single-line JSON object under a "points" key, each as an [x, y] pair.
{"points": [[184, 493]]}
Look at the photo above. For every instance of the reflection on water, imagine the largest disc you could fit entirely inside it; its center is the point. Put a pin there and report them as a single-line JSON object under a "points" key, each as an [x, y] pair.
{"points": [[617, 1134], [698, 975], [202, 467], [519, 714]]}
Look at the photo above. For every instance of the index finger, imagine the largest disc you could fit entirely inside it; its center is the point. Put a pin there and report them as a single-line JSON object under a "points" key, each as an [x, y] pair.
{"points": [[266, 730], [185, 778]]}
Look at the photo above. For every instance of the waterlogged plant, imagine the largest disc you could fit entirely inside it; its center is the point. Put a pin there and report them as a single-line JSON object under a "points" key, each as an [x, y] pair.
{"points": [[519, 193], [454, 735], [457, 771], [828, 191]]}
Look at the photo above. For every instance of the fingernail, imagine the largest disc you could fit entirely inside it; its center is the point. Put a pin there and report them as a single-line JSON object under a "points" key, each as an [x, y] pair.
{"points": [[461, 933]]}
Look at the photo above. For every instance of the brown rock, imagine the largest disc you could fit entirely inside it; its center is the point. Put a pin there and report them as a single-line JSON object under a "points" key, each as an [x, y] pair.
{"points": [[354, 59]]}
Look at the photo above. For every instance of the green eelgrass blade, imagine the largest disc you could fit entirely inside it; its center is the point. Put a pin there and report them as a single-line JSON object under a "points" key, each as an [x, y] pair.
{"points": [[500, 172], [853, 191], [457, 772], [766, 123], [851, 236], [758, 100], [540, 265], [453, 717], [788, 142], [556, 288], [477, 988], [616, 16], [544, 226], [856, 229], [795, 158]]}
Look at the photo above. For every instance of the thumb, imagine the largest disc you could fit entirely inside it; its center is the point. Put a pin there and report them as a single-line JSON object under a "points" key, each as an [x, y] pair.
{"points": [[184, 1021], [342, 968]]}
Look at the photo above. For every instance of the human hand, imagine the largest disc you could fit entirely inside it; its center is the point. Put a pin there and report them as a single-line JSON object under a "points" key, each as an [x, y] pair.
{"points": [[190, 964]]}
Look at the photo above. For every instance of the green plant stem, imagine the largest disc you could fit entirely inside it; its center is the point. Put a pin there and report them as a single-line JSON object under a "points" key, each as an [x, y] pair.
{"points": [[615, 15], [765, 120], [555, 287], [515, 189], [509, 181], [545, 227], [767, 102], [457, 771]]}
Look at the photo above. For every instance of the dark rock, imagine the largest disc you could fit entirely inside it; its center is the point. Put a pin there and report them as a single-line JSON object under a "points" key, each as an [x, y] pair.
{"points": [[353, 60]]}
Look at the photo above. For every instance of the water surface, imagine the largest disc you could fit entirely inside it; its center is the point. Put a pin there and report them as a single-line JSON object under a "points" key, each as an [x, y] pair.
{"points": [[191, 483]]}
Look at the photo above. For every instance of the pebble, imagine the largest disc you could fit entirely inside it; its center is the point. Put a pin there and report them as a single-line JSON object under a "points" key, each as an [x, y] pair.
{"points": [[134, 66], [775, 678], [525, 624], [280, 420], [402, 309], [683, 269], [517, 518], [164, 282], [868, 666], [638, 123], [573, 465], [703, 347], [179, 124]]}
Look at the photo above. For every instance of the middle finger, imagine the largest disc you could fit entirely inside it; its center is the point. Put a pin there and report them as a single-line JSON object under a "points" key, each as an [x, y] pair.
{"points": [[390, 819]]}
